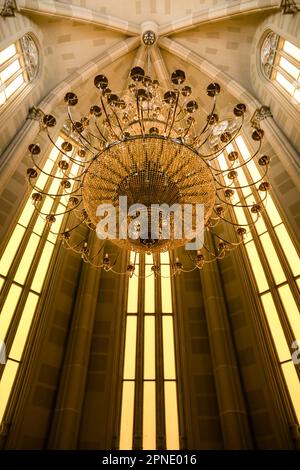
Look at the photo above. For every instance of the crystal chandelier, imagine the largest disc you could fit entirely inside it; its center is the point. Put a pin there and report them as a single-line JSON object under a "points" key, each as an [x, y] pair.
{"points": [[154, 146]]}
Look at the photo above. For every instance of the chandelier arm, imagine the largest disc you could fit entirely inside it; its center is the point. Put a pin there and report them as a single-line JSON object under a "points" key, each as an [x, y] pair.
{"points": [[174, 113], [227, 242], [237, 204], [108, 119], [245, 162], [90, 133], [141, 123], [118, 120], [205, 128], [61, 213], [56, 146], [213, 254], [215, 155], [80, 135], [100, 132], [244, 186]]}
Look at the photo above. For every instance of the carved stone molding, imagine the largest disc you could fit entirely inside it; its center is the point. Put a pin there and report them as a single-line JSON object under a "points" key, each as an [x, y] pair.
{"points": [[9, 8]]}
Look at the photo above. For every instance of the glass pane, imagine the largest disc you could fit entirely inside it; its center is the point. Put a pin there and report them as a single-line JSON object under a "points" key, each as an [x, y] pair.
{"points": [[171, 413], [134, 257], [292, 50], [127, 414], [272, 211], [14, 85], [27, 259], [149, 290], [289, 68], [8, 309], [166, 297], [244, 151], [253, 170], [27, 213], [289, 249], [24, 327], [257, 268], [168, 347], [133, 290], [10, 70], [7, 53], [242, 181], [6, 385], [272, 258], [55, 227], [2, 97], [149, 347], [222, 162], [291, 309], [293, 385], [149, 417], [165, 258], [260, 225], [42, 179], [42, 268], [296, 96], [11, 249], [130, 347], [149, 259], [45, 209], [288, 86], [275, 327]]}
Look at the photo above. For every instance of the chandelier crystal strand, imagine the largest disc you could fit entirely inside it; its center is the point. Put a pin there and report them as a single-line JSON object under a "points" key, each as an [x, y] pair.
{"points": [[154, 146]]}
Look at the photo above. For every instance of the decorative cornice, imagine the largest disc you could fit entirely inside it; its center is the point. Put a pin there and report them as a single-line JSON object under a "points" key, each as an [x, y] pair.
{"points": [[289, 7], [259, 114], [8, 9]]}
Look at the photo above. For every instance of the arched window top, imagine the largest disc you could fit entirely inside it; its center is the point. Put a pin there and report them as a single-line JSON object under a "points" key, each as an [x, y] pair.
{"points": [[18, 66], [280, 62]]}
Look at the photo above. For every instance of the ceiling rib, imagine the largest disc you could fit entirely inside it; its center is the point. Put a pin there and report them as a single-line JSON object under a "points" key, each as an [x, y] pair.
{"points": [[160, 67], [68, 11], [217, 13]]}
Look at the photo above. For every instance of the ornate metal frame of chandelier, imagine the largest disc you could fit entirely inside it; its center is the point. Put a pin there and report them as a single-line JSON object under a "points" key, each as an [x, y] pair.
{"points": [[145, 115]]}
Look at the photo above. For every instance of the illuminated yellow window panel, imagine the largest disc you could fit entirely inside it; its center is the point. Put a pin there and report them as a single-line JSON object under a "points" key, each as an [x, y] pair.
{"points": [[6, 385], [244, 151], [297, 95], [24, 327], [168, 347], [42, 268], [149, 347], [165, 258], [286, 84], [7, 53], [289, 68], [27, 259], [222, 162], [27, 213], [14, 85], [281, 345], [127, 415], [11, 250], [133, 291], [55, 227], [257, 268], [10, 70], [171, 414], [293, 385], [166, 298], [130, 347], [272, 211], [149, 290], [42, 179], [260, 225], [134, 257], [288, 248], [8, 310], [254, 172], [149, 416], [55, 152], [291, 309], [292, 50], [45, 209], [242, 181], [272, 258]]}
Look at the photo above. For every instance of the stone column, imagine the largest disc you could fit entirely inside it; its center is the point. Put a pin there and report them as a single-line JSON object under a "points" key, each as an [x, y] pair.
{"points": [[233, 414], [67, 414]]}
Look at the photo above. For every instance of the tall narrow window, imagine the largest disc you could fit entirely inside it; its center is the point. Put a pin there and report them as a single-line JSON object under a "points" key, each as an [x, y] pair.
{"points": [[151, 316], [18, 66], [280, 62], [275, 264], [24, 265]]}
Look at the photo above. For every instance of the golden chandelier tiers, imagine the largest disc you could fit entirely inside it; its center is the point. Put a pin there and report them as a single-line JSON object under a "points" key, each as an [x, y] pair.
{"points": [[154, 146]]}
